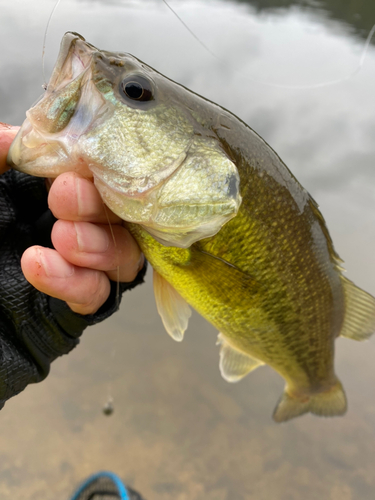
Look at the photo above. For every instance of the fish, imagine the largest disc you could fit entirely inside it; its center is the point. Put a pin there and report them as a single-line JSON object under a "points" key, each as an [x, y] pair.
{"points": [[227, 228]]}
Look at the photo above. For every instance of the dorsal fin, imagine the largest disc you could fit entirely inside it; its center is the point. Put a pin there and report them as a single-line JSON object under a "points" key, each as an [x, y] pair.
{"points": [[359, 320], [173, 309], [234, 364]]}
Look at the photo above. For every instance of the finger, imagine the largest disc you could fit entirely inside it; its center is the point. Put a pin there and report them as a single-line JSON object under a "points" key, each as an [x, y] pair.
{"points": [[98, 247], [84, 290], [75, 198], [7, 134]]}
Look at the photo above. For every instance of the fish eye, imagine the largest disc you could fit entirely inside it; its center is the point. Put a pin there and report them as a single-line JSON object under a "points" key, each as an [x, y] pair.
{"points": [[137, 88]]}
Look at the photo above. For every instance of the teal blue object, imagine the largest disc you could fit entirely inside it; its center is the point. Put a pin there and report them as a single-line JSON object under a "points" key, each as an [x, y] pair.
{"points": [[122, 491]]}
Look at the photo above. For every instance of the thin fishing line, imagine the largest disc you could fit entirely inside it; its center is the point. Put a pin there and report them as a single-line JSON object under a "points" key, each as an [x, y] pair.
{"points": [[44, 42], [108, 408], [117, 254], [339, 80], [280, 85], [189, 30], [368, 41]]}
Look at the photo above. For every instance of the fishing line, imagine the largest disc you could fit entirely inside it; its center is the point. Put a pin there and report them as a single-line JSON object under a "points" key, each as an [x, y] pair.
{"points": [[117, 254], [190, 31], [108, 407], [44, 42], [280, 85]]}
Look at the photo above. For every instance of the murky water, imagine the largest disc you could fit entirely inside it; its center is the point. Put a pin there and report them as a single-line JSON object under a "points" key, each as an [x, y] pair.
{"points": [[179, 431]]}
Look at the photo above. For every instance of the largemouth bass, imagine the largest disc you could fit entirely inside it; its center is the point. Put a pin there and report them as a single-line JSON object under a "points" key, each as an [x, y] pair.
{"points": [[225, 225]]}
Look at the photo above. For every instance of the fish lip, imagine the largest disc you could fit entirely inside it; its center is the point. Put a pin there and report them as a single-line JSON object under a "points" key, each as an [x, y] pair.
{"points": [[74, 63], [73, 49]]}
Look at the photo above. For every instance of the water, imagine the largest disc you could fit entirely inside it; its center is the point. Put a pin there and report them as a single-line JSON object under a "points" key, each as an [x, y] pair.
{"points": [[179, 431]]}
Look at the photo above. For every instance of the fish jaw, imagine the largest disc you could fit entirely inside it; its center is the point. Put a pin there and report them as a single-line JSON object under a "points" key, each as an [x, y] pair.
{"points": [[186, 205], [46, 144]]}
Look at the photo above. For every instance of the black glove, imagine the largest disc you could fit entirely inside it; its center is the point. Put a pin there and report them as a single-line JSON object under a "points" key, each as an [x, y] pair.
{"points": [[34, 328]]}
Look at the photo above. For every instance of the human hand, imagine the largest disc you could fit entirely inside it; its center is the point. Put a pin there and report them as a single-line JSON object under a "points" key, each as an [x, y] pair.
{"points": [[7, 134], [38, 318], [88, 253], [88, 250]]}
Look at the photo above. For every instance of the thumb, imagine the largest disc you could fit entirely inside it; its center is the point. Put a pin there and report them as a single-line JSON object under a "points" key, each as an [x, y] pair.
{"points": [[7, 134]]}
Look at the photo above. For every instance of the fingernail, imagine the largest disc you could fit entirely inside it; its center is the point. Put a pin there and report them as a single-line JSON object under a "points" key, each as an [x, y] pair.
{"points": [[54, 265], [87, 205], [91, 238], [141, 262]]}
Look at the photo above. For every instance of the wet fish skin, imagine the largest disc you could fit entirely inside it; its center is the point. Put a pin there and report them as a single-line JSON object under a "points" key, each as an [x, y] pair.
{"points": [[254, 257], [269, 279]]}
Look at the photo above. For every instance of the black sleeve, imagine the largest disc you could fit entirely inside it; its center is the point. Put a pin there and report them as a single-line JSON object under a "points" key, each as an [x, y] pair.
{"points": [[34, 328]]}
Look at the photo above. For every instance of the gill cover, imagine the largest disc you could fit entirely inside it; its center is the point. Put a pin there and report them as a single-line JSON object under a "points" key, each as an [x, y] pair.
{"points": [[145, 140]]}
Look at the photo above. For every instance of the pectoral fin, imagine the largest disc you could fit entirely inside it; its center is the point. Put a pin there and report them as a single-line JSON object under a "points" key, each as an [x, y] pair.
{"points": [[329, 403], [359, 321], [173, 309], [234, 364]]}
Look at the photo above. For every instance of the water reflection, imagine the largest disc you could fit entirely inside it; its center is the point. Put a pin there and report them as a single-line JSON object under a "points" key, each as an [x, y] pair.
{"points": [[360, 15], [178, 430]]}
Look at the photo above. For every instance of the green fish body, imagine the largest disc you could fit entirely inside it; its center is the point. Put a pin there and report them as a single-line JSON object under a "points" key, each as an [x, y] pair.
{"points": [[225, 225]]}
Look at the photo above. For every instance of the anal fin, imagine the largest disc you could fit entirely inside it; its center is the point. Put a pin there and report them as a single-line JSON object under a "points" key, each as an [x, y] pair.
{"points": [[329, 403], [173, 309], [359, 320], [234, 364]]}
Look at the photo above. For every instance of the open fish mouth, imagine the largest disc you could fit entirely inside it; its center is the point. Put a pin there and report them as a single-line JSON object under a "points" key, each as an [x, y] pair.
{"points": [[74, 58], [71, 109], [46, 143]]}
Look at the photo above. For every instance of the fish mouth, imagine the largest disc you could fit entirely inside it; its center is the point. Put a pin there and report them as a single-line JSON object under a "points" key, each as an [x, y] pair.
{"points": [[72, 109], [45, 144], [74, 58]]}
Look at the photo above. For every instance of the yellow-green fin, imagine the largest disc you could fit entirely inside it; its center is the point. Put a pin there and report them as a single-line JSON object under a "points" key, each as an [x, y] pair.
{"points": [[325, 404], [234, 364], [173, 309], [359, 320]]}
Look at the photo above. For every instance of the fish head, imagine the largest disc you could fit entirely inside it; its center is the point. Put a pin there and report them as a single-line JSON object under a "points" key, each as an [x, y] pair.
{"points": [[148, 143]]}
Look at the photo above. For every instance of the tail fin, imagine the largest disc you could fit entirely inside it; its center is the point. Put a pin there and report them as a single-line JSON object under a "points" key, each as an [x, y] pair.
{"points": [[325, 404], [359, 321]]}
